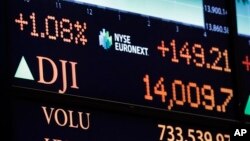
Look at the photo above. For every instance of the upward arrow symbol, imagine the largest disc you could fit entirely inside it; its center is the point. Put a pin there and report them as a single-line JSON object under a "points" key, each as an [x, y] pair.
{"points": [[23, 70], [247, 108]]}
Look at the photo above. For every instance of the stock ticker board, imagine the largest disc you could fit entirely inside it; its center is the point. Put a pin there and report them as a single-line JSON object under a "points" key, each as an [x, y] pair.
{"points": [[242, 45], [60, 123], [173, 56]]}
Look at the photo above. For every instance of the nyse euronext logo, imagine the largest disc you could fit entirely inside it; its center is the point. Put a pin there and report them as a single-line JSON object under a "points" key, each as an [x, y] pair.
{"points": [[104, 39], [122, 43]]}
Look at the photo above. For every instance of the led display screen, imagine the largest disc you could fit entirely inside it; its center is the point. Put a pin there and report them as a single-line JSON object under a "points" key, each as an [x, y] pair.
{"points": [[50, 122], [242, 51], [127, 52]]}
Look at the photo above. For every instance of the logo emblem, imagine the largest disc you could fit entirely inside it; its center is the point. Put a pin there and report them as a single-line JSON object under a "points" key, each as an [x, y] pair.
{"points": [[104, 39]]}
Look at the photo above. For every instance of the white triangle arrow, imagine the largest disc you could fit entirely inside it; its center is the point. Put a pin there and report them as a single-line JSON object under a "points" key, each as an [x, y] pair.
{"points": [[23, 70]]}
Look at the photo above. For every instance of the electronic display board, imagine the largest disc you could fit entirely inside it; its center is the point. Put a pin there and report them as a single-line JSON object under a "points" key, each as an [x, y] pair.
{"points": [[178, 60], [50, 122], [242, 51]]}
